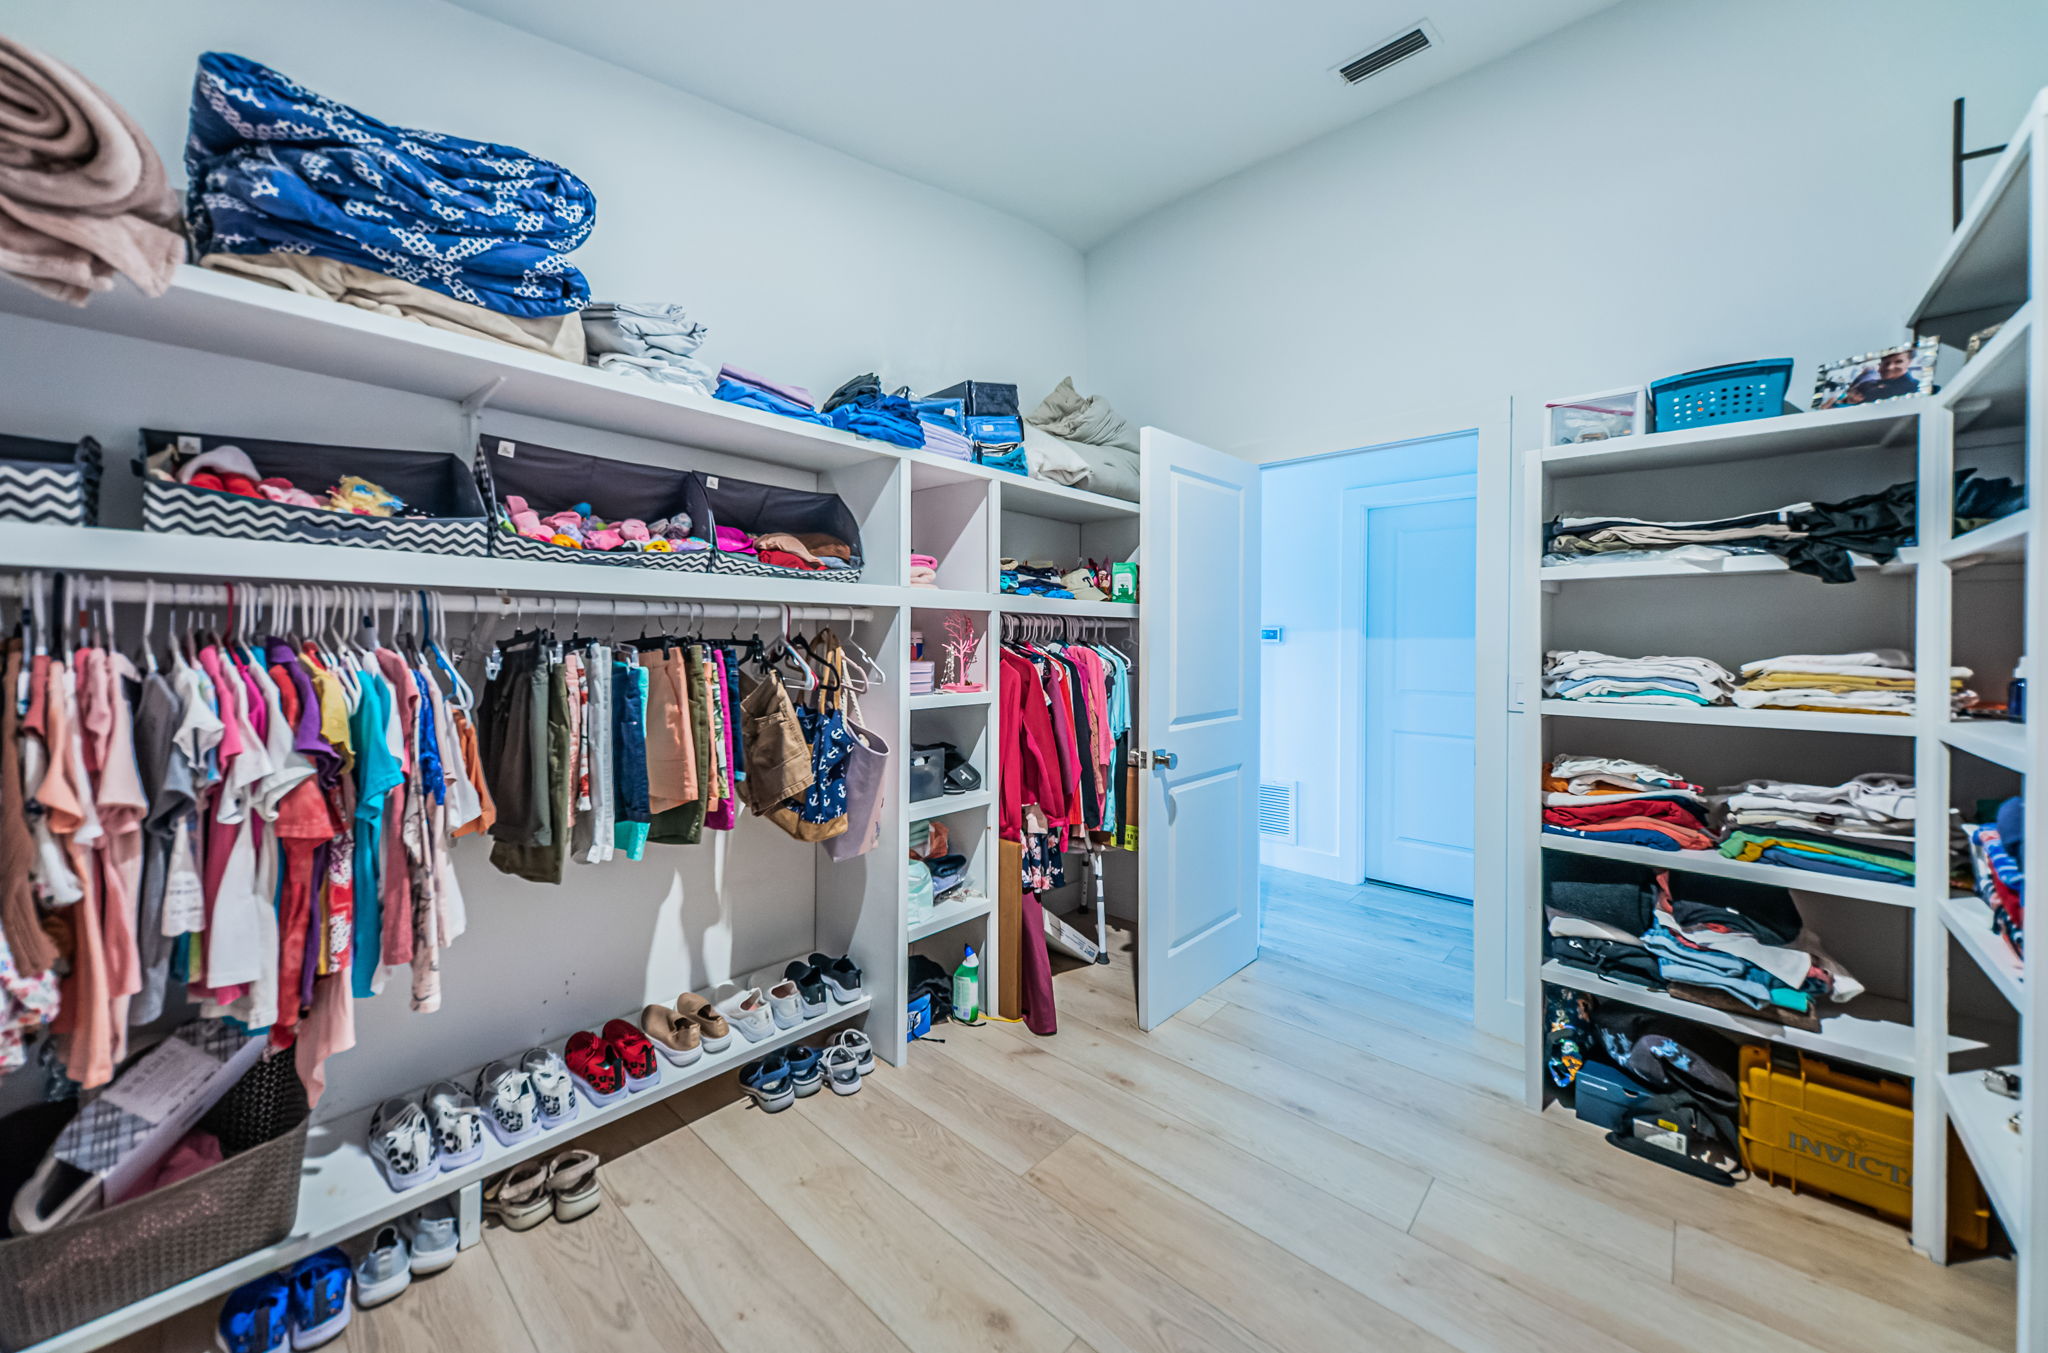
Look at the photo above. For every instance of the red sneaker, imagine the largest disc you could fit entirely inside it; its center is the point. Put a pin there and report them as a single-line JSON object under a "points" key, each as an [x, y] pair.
{"points": [[635, 1053], [599, 1072]]}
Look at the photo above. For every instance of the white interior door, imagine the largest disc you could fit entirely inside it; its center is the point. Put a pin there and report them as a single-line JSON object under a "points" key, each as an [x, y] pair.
{"points": [[1419, 670], [1198, 899]]}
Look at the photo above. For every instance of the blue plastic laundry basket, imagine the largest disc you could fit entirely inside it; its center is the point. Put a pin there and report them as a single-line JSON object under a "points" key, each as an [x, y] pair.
{"points": [[1720, 394]]}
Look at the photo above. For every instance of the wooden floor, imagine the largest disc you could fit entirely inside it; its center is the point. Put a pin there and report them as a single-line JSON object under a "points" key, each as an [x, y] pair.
{"points": [[1320, 1156]]}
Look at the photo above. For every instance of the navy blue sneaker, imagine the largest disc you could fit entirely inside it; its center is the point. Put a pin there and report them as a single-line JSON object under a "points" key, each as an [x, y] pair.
{"points": [[319, 1300], [804, 1075], [255, 1317]]}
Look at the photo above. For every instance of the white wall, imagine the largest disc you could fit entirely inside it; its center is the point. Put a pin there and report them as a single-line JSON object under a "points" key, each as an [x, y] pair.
{"points": [[1311, 729], [807, 264], [1659, 187]]}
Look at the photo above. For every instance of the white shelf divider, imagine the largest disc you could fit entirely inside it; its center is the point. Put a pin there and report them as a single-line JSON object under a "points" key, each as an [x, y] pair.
{"points": [[1980, 1117], [1969, 920], [949, 913], [1990, 739], [1715, 863], [1729, 716]]}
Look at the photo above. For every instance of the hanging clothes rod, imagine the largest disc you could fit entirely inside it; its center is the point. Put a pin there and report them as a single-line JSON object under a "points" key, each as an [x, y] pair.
{"points": [[125, 591], [1039, 623]]}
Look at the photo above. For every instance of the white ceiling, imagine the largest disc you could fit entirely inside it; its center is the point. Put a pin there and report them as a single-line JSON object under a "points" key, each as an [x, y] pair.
{"points": [[1080, 115]]}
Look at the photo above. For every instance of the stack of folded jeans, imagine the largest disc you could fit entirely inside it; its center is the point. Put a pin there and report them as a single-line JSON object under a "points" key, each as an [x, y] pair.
{"points": [[1602, 678], [1862, 828], [861, 407], [1815, 538], [1625, 803], [1878, 681], [650, 339], [750, 391], [275, 168], [1038, 578]]}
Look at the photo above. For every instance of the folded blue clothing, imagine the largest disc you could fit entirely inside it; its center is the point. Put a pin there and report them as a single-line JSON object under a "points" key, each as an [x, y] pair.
{"points": [[276, 168], [1832, 864], [754, 397], [878, 420], [1626, 836], [1007, 458]]}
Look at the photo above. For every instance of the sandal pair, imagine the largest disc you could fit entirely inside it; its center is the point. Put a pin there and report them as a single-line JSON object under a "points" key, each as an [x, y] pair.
{"points": [[566, 1186]]}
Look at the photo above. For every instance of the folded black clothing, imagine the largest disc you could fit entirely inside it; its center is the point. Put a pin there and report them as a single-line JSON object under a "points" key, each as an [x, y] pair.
{"points": [[1876, 524], [868, 386], [1625, 906], [1987, 499], [1609, 958], [1767, 912]]}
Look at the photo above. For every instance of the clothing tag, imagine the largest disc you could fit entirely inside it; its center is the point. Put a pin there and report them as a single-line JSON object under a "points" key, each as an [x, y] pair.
{"points": [[711, 481], [188, 445], [164, 1082], [506, 448]]}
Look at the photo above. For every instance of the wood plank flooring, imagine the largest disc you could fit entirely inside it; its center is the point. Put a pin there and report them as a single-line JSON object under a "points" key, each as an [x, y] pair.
{"points": [[1322, 1155]]}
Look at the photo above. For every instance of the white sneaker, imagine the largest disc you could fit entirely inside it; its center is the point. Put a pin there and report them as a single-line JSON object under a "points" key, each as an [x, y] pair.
{"points": [[748, 1012], [458, 1124], [385, 1269], [786, 1005], [402, 1144], [551, 1085], [509, 1103], [841, 1068], [856, 1042]]}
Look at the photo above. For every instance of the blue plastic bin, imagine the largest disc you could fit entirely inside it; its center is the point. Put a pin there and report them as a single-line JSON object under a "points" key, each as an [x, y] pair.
{"points": [[1720, 394]]}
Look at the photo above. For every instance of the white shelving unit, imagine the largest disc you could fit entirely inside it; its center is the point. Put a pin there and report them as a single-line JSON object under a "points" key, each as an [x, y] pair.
{"points": [[238, 356], [1964, 599]]}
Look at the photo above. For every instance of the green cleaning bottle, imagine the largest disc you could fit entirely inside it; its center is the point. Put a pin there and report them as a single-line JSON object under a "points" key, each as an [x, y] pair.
{"points": [[967, 988]]}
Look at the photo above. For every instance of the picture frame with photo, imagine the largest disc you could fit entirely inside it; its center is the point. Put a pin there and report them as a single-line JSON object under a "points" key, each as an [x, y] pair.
{"points": [[1874, 377]]}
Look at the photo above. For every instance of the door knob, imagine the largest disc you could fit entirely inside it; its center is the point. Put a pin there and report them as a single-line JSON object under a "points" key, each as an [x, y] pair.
{"points": [[1165, 759]]}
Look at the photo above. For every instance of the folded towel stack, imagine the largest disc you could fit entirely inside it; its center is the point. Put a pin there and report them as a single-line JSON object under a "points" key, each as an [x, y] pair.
{"points": [[650, 339], [1625, 802], [1603, 678], [924, 571], [1878, 681]]}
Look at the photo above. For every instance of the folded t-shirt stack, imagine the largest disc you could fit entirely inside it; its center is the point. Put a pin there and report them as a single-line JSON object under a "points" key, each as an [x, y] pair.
{"points": [[1862, 828], [1815, 538], [758, 392], [650, 339], [860, 406], [807, 551], [1623, 802], [1995, 855], [945, 430], [1876, 681], [1603, 678], [1038, 578]]}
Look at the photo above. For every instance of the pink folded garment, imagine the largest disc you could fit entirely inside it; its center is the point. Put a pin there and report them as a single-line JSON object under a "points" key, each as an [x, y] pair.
{"points": [[735, 541], [923, 561], [83, 195]]}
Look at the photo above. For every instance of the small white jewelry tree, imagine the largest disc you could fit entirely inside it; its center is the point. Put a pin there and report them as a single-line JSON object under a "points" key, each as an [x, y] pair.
{"points": [[962, 642]]}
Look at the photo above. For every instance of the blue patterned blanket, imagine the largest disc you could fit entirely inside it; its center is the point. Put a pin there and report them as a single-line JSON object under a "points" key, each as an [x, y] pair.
{"points": [[275, 167]]}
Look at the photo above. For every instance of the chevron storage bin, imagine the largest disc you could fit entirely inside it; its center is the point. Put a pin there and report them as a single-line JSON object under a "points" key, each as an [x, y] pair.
{"points": [[434, 484], [53, 482], [551, 480], [758, 509]]}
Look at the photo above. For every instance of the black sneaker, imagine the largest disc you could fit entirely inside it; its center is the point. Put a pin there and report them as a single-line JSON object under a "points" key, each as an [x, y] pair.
{"points": [[810, 987]]}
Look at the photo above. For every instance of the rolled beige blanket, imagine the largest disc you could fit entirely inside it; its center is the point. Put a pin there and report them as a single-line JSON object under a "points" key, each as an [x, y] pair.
{"points": [[83, 195]]}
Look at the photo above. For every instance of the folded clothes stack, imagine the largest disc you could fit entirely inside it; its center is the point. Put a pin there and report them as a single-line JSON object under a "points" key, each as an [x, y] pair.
{"points": [[277, 171], [944, 432], [1603, 678], [1038, 578], [1623, 802], [83, 196], [924, 570], [923, 676], [1862, 828], [1723, 943], [1994, 857], [650, 339], [1816, 538], [862, 407], [750, 391], [807, 551], [1878, 681]]}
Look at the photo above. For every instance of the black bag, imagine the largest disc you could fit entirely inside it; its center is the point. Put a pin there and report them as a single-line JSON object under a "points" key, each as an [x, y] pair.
{"points": [[927, 978]]}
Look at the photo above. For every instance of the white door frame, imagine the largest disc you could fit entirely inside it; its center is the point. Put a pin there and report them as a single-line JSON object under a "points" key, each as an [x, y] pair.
{"points": [[1351, 606], [1497, 970]]}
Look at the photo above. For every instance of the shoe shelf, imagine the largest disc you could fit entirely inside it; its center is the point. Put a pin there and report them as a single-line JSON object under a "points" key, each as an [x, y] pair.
{"points": [[949, 913], [342, 1195], [1969, 920], [1729, 716], [1714, 862], [1880, 1036], [1981, 1118]]}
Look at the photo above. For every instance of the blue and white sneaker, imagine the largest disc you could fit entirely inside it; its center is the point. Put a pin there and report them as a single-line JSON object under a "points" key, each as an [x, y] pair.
{"points": [[804, 1073], [769, 1083], [256, 1317], [319, 1300], [434, 1236]]}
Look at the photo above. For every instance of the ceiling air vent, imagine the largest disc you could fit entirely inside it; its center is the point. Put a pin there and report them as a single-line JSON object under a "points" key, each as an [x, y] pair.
{"points": [[1379, 58], [1276, 809]]}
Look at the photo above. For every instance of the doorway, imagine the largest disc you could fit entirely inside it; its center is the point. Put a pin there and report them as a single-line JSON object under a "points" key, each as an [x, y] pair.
{"points": [[1368, 676]]}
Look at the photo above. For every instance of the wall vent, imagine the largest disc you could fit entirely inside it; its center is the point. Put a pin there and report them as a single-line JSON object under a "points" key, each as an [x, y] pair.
{"points": [[1414, 41], [1276, 809]]}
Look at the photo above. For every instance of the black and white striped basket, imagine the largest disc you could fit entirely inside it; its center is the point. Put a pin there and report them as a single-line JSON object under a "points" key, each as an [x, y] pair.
{"points": [[552, 480], [57, 483], [759, 509], [434, 482]]}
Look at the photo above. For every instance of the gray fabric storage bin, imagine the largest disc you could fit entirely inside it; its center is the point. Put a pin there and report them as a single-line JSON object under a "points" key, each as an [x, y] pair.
{"points": [[552, 480], [53, 482], [722, 500], [434, 482]]}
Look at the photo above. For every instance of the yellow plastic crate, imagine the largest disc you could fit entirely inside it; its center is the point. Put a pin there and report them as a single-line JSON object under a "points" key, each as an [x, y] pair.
{"points": [[1810, 1125]]}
